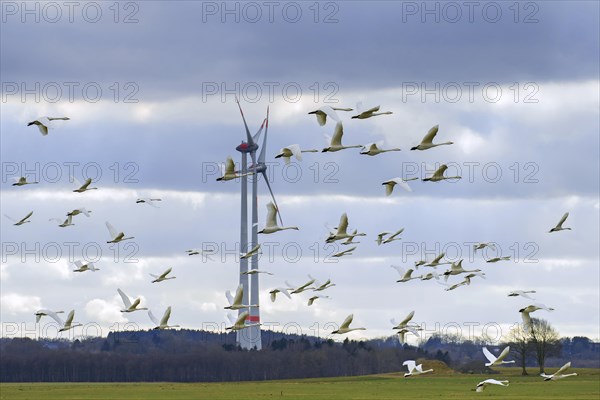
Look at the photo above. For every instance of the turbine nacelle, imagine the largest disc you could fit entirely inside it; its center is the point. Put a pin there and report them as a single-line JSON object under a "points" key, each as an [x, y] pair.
{"points": [[247, 148]]}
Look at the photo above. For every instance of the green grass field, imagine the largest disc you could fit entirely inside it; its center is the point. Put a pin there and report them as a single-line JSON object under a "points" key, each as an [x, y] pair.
{"points": [[381, 387]]}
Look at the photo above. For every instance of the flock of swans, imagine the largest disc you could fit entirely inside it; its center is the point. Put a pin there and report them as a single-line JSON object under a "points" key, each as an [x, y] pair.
{"points": [[340, 233]]}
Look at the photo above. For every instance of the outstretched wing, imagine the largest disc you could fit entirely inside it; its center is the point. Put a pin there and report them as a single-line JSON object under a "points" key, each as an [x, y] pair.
{"points": [[166, 316], [164, 274], [239, 294], [563, 219], [440, 171], [241, 318], [124, 297], [111, 230], [491, 358], [428, 138], [330, 112], [347, 322], [271, 215], [27, 216], [54, 316], [504, 353], [563, 368], [152, 317], [70, 317], [229, 297], [410, 364], [338, 132], [343, 225], [408, 318]]}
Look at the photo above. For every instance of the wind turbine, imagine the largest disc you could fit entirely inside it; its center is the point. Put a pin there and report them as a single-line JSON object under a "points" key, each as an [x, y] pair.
{"points": [[252, 338]]}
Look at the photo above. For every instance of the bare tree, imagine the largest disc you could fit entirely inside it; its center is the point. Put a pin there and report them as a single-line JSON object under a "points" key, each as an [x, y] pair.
{"points": [[545, 340], [520, 347]]}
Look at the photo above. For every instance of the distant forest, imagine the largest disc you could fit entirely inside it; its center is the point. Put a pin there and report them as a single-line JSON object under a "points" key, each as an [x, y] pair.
{"points": [[200, 356]]}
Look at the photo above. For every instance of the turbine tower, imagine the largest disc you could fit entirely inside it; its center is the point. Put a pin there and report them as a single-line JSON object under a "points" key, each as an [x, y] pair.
{"points": [[251, 337]]}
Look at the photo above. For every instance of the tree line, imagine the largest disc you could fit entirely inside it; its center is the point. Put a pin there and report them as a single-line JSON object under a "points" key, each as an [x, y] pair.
{"points": [[200, 356]]}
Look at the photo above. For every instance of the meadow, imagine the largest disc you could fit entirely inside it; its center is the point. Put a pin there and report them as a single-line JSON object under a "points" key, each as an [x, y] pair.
{"points": [[382, 387]]}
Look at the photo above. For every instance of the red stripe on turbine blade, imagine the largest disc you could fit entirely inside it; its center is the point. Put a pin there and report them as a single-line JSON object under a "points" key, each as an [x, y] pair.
{"points": [[253, 318]]}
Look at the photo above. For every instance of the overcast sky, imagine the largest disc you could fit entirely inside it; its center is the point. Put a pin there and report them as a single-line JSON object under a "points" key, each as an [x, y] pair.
{"points": [[150, 89]]}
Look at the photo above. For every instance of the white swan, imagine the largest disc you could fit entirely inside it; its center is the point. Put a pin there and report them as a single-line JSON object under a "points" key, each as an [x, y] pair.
{"points": [[43, 312], [452, 287], [240, 322], [436, 261], [405, 275], [284, 291], [321, 286], [559, 226], [85, 267], [414, 369], [559, 374], [163, 276], [235, 303], [438, 175], [380, 237], [78, 211], [43, 123], [229, 172], [456, 269], [466, 281], [252, 252], [350, 240], [493, 360], [65, 325], [527, 322], [195, 252], [293, 150], [394, 236], [116, 236], [341, 232], [402, 333], [522, 293], [327, 111], [312, 299], [148, 200], [164, 321], [483, 384], [482, 245], [21, 221], [299, 289], [344, 253], [85, 186], [427, 142], [255, 272], [345, 327], [391, 183], [129, 306], [371, 149], [496, 259], [430, 275], [335, 144], [371, 112], [404, 322], [22, 181], [67, 222], [271, 225]]}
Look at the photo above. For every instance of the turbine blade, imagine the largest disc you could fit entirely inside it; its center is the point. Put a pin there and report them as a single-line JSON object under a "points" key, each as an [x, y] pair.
{"points": [[256, 136], [248, 135], [262, 155]]}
